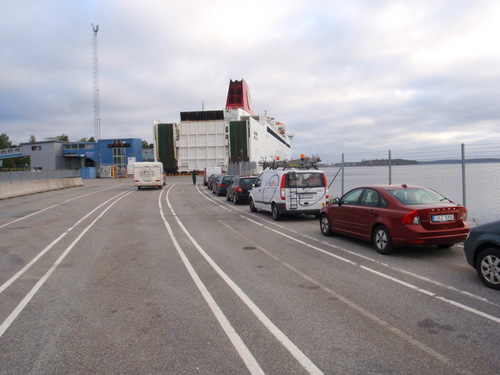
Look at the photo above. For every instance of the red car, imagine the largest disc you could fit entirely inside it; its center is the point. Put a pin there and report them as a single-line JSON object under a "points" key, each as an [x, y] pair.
{"points": [[396, 215]]}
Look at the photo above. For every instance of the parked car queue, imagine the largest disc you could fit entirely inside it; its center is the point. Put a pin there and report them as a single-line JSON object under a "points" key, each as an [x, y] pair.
{"points": [[392, 216]]}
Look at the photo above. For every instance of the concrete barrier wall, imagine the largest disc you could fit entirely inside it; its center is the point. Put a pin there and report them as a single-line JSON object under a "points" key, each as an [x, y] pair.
{"points": [[17, 189]]}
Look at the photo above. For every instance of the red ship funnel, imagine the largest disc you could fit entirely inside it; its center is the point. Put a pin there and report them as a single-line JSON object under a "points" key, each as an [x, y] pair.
{"points": [[238, 96]]}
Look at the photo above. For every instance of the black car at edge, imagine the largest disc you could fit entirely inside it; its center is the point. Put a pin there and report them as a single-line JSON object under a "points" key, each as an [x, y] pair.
{"points": [[482, 249]]}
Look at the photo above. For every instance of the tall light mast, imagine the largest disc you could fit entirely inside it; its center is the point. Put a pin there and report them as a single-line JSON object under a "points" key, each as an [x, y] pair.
{"points": [[97, 109]]}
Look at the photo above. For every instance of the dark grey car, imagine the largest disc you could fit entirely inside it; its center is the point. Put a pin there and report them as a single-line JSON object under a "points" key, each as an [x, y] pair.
{"points": [[239, 190], [221, 184], [482, 249]]}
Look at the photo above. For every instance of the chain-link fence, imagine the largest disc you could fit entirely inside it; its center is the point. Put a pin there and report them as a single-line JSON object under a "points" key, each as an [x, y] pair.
{"points": [[242, 168], [465, 173]]}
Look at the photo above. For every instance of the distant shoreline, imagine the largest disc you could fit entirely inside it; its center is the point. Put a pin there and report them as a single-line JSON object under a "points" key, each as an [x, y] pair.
{"points": [[398, 162]]}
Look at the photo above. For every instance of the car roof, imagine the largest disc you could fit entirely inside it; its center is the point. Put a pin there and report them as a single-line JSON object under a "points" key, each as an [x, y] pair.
{"points": [[391, 187], [285, 171]]}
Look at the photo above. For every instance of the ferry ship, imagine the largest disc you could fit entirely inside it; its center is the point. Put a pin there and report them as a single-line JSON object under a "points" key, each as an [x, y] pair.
{"points": [[234, 139]]}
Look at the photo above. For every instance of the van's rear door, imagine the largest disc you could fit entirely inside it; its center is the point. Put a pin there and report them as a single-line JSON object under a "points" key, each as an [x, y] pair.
{"points": [[306, 190]]}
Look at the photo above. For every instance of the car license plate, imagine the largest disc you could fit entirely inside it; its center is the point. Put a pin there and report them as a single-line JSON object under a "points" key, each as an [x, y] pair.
{"points": [[305, 196], [442, 218]]}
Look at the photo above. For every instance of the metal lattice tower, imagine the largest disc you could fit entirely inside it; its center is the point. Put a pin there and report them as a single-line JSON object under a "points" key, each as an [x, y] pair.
{"points": [[97, 108]]}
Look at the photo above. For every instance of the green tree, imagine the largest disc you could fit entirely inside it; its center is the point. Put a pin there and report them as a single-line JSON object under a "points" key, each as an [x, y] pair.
{"points": [[91, 139], [22, 162], [4, 141], [8, 163], [145, 144], [63, 137], [32, 139]]}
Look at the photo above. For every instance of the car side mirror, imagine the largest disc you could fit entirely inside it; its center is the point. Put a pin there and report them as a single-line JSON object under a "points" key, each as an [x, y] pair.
{"points": [[336, 201]]}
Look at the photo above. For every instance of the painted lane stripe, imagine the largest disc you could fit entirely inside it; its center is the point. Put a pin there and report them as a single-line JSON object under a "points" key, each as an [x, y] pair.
{"points": [[14, 314], [55, 205], [35, 259], [429, 293], [411, 286], [357, 307], [233, 336], [304, 361]]}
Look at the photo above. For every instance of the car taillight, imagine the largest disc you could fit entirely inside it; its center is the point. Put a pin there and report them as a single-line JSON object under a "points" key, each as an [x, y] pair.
{"points": [[282, 190], [222, 185], [411, 218], [326, 185], [239, 189]]}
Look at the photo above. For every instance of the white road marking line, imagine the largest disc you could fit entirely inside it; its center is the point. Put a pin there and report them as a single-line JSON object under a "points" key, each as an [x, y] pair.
{"points": [[411, 286], [245, 354], [14, 314], [437, 283], [357, 308], [434, 295], [55, 205], [304, 361], [35, 259]]}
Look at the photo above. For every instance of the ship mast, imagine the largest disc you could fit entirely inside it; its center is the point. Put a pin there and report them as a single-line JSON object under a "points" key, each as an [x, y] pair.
{"points": [[97, 109]]}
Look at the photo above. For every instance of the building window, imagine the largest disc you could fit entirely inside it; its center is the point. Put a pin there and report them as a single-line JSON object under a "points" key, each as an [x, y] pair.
{"points": [[119, 159], [36, 148]]}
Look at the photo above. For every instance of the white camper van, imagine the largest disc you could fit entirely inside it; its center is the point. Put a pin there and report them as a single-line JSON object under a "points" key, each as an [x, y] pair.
{"points": [[289, 191], [148, 174]]}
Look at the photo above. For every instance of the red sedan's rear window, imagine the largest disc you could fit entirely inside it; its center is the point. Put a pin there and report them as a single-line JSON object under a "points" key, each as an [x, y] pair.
{"points": [[418, 196]]}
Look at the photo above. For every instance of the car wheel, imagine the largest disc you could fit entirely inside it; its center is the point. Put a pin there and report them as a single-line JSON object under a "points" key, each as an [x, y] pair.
{"points": [[382, 240], [276, 212], [324, 225], [235, 199], [252, 206], [488, 267]]}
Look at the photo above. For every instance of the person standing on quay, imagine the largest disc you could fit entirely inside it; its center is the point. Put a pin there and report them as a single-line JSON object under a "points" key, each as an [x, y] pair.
{"points": [[194, 177]]}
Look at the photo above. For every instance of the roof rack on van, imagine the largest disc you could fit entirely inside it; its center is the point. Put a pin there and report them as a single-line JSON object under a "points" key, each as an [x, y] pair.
{"points": [[302, 163]]}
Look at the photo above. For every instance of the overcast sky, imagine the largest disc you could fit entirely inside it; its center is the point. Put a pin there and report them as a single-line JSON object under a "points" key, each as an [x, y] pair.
{"points": [[343, 76]]}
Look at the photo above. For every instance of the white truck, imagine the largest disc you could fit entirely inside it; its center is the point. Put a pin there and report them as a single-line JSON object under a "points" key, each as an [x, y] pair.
{"points": [[148, 174]]}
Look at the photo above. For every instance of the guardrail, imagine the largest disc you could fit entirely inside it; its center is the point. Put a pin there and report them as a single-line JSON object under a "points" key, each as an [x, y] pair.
{"points": [[15, 177], [15, 184]]}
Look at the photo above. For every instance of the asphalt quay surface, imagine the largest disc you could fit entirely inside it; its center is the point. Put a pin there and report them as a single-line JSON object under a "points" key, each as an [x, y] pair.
{"points": [[105, 278]]}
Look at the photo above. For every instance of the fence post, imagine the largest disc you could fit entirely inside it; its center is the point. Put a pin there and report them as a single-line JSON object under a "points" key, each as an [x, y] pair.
{"points": [[464, 194], [342, 192], [390, 168]]}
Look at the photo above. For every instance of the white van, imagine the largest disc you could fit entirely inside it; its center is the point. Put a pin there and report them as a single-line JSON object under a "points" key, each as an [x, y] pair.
{"points": [[210, 171], [148, 174], [289, 191]]}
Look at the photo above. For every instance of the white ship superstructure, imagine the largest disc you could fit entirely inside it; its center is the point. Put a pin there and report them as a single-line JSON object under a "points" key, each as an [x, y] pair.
{"points": [[234, 139]]}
